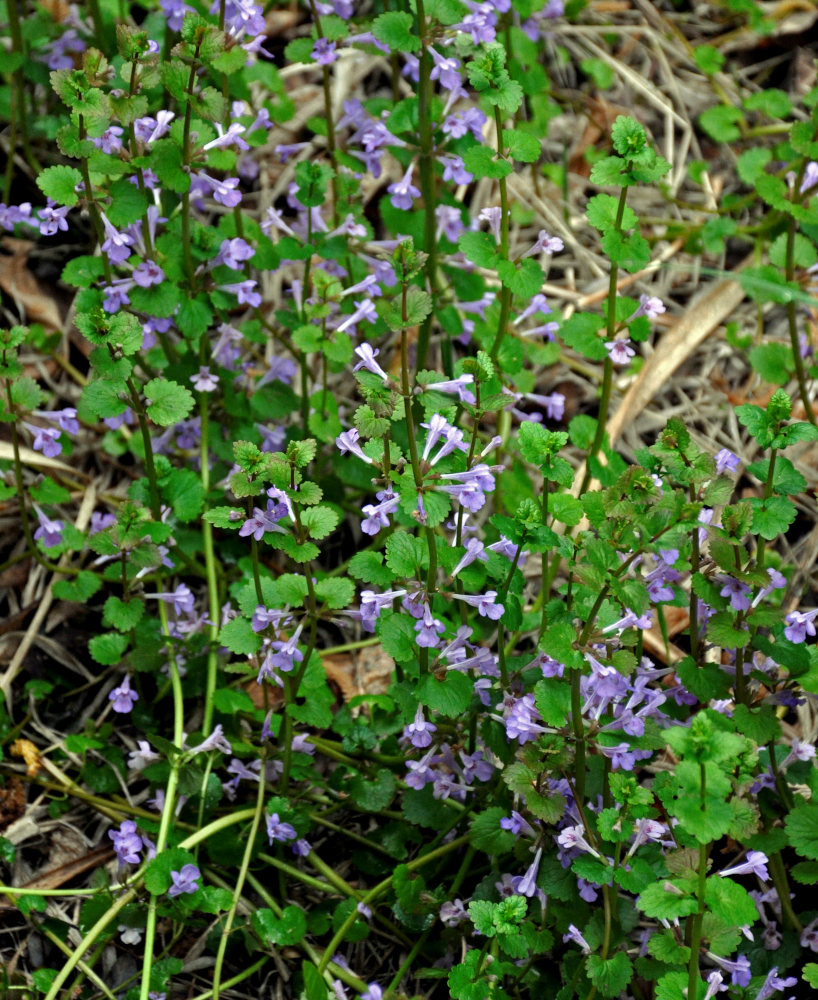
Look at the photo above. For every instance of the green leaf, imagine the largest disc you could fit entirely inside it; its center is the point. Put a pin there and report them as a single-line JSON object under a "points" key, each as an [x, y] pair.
{"points": [[230, 701], [373, 795], [479, 248], [631, 252], [335, 592], [486, 834], [580, 333], [319, 521], [521, 146], [708, 58], [602, 210], [212, 899], [58, 183], [802, 829], [104, 397], [772, 102], [314, 986], [611, 975], [772, 516], [481, 913], [167, 162], [481, 161], [157, 874], [810, 973], [628, 137], [397, 635], [122, 615], [80, 588], [720, 122], [418, 307], [128, 203], [667, 900], [395, 30], [450, 696], [168, 402], [224, 517], [368, 567], [524, 279], [184, 492], [108, 649], [805, 872], [404, 554], [730, 901], [288, 929], [238, 636], [773, 362], [83, 272]]}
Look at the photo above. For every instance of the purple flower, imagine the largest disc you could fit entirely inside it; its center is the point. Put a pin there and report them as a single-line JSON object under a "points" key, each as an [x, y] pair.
{"points": [[455, 386], [142, 756], [185, 881], [215, 741], [50, 532], [526, 885], [428, 630], [46, 440], [301, 848], [755, 864], [575, 936], [774, 984], [446, 71], [377, 514], [367, 360], [232, 137], [123, 698], [403, 191], [545, 244], [110, 141], [419, 732], [715, 984], [148, 129], [148, 273], [458, 124], [800, 624], [726, 461], [259, 524], [517, 824], [279, 830], [244, 291], [116, 244], [127, 843], [738, 592], [285, 653], [323, 52], [485, 604], [347, 443], [52, 218], [523, 720], [453, 913], [181, 599], [204, 381], [649, 306], [620, 351], [233, 253]]}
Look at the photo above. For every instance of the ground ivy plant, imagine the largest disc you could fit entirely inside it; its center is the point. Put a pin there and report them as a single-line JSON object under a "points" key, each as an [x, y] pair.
{"points": [[316, 410]]}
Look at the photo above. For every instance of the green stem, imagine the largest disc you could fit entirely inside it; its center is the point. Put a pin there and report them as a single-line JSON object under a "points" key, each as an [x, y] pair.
{"points": [[505, 292], [789, 272], [693, 976], [211, 566], [169, 806], [607, 370], [380, 889], [427, 175], [245, 866]]}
